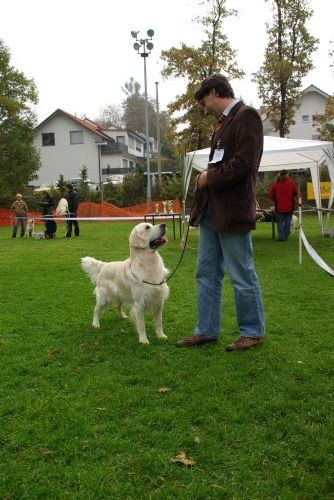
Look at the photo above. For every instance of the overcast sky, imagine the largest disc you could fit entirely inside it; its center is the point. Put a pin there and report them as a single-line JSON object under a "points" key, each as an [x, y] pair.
{"points": [[80, 53]]}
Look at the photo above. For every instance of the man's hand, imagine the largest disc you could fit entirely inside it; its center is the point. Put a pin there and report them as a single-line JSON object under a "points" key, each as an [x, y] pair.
{"points": [[202, 180]]}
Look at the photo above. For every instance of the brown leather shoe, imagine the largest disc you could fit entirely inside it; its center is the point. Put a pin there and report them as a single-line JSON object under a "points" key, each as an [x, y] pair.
{"points": [[244, 343], [195, 340]]}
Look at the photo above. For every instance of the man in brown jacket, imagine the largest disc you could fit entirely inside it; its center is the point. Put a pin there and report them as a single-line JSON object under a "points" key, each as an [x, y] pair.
{"points": [[20, 210], [225, 209]]}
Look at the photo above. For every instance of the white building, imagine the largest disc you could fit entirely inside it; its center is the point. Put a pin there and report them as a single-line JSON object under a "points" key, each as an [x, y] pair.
{"points": [[67, 143], [312, 102]]}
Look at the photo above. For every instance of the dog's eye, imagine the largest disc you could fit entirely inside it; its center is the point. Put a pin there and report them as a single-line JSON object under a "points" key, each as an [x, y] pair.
{"points": [[147, 227]]}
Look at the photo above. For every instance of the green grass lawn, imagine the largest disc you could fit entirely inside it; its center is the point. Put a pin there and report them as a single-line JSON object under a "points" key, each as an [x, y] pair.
{"points": [[81, 412]]}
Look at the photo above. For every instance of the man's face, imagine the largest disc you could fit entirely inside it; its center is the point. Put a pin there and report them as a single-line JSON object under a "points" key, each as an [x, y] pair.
{"points": [[209, 103]]}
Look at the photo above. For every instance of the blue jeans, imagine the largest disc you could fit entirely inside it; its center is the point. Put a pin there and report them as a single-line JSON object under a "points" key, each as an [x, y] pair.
{"points": [[232, 252], [283, 225], [19, 221]]}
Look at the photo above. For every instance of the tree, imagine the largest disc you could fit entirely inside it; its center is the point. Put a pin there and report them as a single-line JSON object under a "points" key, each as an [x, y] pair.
{"points": [[214, 55], [61, 184], [83, 186], [131, 87], [111, 115], [133, 189], [19, 160], [287, 60], [326, 128], [134, 109]]}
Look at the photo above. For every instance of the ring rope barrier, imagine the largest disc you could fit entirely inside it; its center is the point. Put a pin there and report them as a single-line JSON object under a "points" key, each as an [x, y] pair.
{"points": [[314, 255], [305, 208]]}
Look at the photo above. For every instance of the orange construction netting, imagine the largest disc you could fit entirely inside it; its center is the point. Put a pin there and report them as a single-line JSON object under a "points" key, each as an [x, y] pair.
{"points": [[7, 217], [90, 209]]}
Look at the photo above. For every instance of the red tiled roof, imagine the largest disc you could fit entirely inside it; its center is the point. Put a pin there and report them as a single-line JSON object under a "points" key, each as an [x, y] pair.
{"points": [[88, 124]]}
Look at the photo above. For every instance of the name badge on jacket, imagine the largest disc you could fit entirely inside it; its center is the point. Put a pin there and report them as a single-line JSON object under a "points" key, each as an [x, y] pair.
{"points": [[218, 155]]}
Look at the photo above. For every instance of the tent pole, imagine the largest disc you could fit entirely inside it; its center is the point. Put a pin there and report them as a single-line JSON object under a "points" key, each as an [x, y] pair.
{"points": [[183, 216], [320, 199], [300, 227]]}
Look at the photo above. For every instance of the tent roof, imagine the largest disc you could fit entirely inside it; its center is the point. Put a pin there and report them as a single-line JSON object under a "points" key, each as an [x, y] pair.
{"points": [[279, 153]]}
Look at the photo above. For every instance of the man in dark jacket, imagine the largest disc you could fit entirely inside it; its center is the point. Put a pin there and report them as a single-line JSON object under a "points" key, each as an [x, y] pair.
{"points": [[72, 200], [47, 205], [225, 209]]}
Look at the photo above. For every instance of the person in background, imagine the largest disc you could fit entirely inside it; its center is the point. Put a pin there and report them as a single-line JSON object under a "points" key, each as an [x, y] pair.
{"points": [[47, 207], [225, 209], [47, 203], [284, 193], [20, 210], [72, 200]]}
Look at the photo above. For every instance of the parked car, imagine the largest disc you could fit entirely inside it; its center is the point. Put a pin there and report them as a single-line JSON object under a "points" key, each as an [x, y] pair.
{"points": [[114, 179], [47, 186], [77, 181]]}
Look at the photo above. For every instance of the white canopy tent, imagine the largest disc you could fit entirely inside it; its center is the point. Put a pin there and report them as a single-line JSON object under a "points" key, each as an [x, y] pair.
{"points": [[281, 153]]}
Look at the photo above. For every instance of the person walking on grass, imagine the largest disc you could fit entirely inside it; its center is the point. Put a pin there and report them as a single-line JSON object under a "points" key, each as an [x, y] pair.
{"points": [[20, 210], [72, 200], [224, 207], [284, 193]]}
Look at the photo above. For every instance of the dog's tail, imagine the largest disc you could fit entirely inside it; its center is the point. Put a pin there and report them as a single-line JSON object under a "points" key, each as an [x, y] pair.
{"points": [[92, 267]]}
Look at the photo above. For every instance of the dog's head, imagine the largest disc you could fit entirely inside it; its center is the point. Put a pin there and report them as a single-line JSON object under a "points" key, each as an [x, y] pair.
{"points": [[30, 222], [145, 235]]}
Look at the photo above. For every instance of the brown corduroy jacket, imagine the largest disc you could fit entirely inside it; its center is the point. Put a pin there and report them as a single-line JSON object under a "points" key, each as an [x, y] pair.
{"points": [[231, 189], [20, 208]]}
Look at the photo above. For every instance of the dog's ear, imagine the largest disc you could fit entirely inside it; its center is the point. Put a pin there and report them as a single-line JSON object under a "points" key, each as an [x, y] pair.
{"points": [[136, 240]]}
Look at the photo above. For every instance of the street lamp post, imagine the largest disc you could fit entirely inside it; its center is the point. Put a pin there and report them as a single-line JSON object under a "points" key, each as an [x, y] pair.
{"points": [[144, 46]]}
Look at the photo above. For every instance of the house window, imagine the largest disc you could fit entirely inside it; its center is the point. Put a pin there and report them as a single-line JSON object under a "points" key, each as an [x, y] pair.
{"points": [[131, 166], [76, 137], [305, 118], [120, 139], [138, 145], [124, 163], [48, 139], [131, 142]]}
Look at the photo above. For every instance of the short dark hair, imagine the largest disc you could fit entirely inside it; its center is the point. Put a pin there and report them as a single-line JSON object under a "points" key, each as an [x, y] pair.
{"points": [[282, 175], [69, 186], [219, 83]]}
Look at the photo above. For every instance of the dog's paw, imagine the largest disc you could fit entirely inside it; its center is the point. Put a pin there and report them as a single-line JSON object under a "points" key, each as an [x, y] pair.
{"points": [[144, 341], [161, 336], [96, 325]]}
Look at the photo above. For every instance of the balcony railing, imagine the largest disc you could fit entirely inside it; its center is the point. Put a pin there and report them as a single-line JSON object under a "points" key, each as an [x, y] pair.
{"points": [[114, 148]]}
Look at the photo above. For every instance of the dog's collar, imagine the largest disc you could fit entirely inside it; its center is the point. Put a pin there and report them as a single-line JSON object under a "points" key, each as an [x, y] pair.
{"points": [[146, 282]]}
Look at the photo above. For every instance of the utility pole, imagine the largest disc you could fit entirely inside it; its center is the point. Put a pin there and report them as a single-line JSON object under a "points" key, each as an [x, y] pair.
{"points": [[158, 136]]}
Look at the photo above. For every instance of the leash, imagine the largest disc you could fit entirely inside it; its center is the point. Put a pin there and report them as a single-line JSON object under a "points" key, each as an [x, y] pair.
{"points": [[169, 277]]}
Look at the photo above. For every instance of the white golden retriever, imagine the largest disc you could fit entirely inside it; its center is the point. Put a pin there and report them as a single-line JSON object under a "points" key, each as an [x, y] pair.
{"points": [[62, 207], [295, 222], [127, 282], [30, 228]]}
